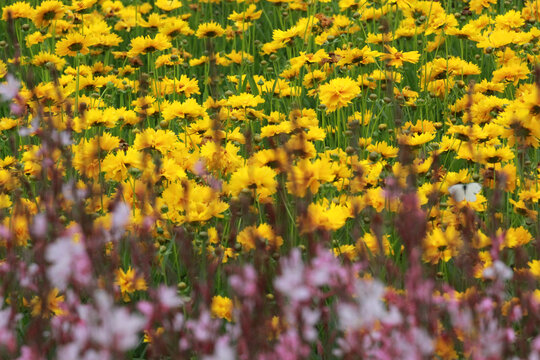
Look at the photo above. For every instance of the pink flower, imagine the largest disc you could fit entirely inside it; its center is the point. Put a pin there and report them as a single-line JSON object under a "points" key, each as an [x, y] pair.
{"points": [[120, 216], [222, 350], [39, 226], [291, 282], [68, 260], [7, 333], [28, 353], [9, 89], [168, 298], [245, 284], [114, 327]]}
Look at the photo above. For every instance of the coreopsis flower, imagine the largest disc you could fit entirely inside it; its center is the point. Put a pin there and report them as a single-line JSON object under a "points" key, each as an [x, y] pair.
{"points": [[272, 47], [44, 58], [175, 27], [416, 139], [145, 44], [168, 5], [244, 100], [511, 73], [19, 9], [515, 237], [509, 20], [106, 41], [370, 243], [204, 206], [441, 245], [189, 109], [3, 69], [82, 5], [286, 36], [161, 140], [249, 237], [116, 166], [129, 282], [72, 44], [48, 11], [313, 78], [222, 159], [534, 268], [355, 56], [478, 5], [54, 305], [222, 307], [261, 180], [492, 154], [397, 58], [496, 39], [324, 216], [154, 22], [384, 149], [338, 93], [309, 175], [148, 338], [36, 37], [209, 30]]}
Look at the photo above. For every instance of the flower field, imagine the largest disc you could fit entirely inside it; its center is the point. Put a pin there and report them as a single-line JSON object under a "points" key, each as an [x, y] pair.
{"points": [[269, 179]]}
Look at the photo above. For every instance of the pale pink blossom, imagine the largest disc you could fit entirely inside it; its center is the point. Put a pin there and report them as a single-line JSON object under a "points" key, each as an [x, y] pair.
{"points": [[68, 260]]}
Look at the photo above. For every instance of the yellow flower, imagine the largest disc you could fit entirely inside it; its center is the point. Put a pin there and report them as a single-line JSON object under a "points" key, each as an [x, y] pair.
{"points": [[382, 148], [48, 11], [249, 14], [244, 100], [517, 237], [145, 44], [3, 69], [347, 251], [309, 175], [478, 5], [209, 30], [161, 140], [371, 243], [338, 93], [129, 282], [354, 56], [444, 348], [264, 233], [20, 9], [54, 301], [534, 268], [441, 245], [222, 307], [43, 58], [168, 5], [492, 154], [72, 44], [511, 73], [82, 5], [416, 139], [260, 180], [160, 330], [397, 58], [324, 216]]}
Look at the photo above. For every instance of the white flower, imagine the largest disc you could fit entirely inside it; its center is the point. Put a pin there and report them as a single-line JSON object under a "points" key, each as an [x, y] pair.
{"points": [[9, 89], [367, 309], [498, 270], [68, 260]]}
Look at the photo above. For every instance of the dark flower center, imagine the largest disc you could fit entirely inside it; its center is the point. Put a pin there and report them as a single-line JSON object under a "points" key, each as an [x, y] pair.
{"points": [[75, 47], [49, 15]]}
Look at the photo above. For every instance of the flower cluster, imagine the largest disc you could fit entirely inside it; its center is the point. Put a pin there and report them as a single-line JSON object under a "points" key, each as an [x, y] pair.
{"points": [[269, 179]]}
